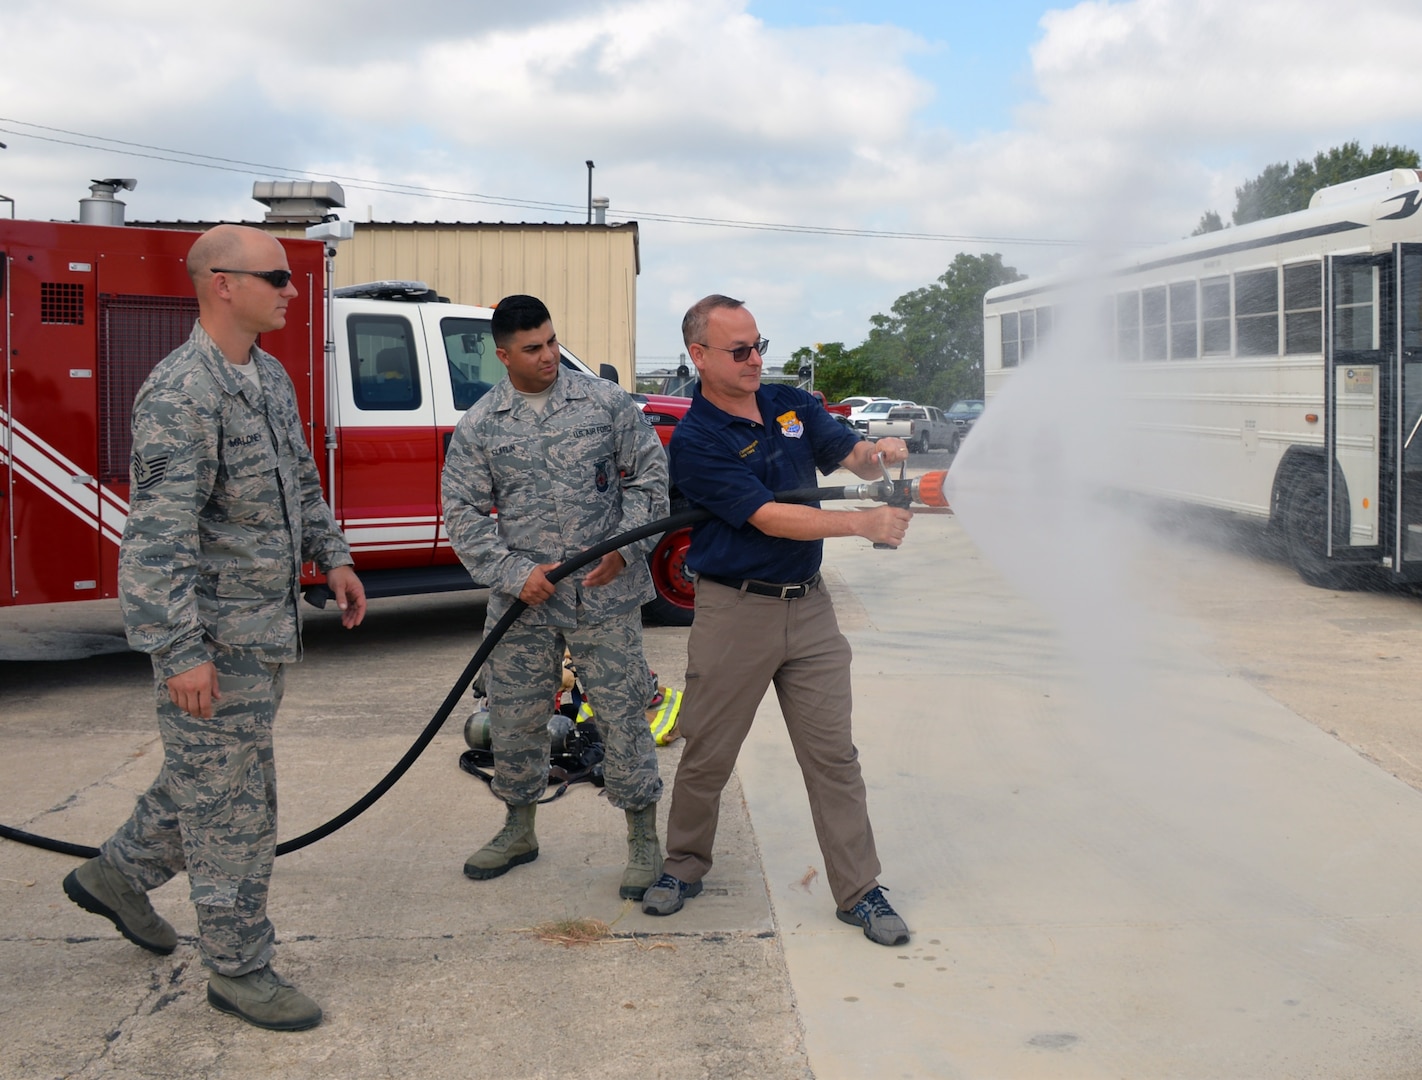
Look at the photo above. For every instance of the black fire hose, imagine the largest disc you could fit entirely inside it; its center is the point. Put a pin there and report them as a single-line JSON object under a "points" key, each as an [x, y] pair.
{"points": [[883, 492]]}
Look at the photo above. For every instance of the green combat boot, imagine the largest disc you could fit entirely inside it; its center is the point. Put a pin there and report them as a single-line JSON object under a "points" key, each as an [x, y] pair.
{"points": [[264, 999], [98, 887], [515, 845], [644, 853]]}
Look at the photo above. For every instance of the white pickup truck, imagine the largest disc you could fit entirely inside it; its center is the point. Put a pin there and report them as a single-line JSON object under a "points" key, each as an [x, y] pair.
{"points": [[921, 426]]}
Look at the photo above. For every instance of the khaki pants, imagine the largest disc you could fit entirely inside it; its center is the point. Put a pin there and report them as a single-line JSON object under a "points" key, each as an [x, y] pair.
{"points": [[740, 644]]}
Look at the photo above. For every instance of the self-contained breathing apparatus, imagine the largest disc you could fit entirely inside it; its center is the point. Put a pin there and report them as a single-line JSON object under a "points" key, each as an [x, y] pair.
{"points": [[575, 746]]}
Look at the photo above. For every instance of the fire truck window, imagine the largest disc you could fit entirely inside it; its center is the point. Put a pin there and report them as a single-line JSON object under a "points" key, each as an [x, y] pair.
{"points": [[473, 365], [384, 373]]}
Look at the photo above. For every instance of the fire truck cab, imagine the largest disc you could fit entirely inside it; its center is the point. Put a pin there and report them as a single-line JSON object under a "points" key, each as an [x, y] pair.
{"points": [[89, 310]]}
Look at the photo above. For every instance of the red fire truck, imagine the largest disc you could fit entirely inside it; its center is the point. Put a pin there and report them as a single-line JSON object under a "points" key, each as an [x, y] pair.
{"points": [[90, 309]]}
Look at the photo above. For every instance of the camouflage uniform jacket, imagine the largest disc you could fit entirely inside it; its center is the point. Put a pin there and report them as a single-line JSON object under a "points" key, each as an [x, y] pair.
{"points": [[589, 468], [225, 504]]}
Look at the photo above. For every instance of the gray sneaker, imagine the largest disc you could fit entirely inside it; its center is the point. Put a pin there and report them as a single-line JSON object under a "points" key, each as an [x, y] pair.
{"points": [[667, 895], [880, 921], [264, 999], [97, 887]]}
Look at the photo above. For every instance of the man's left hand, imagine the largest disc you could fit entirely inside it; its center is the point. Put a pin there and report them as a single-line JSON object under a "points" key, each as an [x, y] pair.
{"points": [[893, 450], [607, 570], [350, 594]]}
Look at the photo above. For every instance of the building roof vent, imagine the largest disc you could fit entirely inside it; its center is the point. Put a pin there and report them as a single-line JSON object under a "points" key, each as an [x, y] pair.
{"points": [[298, 201]]}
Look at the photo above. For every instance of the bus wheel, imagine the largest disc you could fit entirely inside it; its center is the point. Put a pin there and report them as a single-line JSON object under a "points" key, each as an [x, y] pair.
{"points": [[1306, 534], [675, 602]]}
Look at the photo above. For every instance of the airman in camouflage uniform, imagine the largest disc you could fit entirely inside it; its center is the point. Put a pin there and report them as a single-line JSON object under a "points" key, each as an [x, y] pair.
{"points": [[569, 461], [225, 506]]}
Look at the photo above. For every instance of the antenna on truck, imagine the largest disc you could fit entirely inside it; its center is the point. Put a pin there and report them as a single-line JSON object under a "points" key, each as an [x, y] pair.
{"points": [[331, 233]]}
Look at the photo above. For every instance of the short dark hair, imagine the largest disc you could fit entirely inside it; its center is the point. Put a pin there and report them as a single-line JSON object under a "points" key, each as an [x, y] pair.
{"points": [[515, 313], [693, 325]]}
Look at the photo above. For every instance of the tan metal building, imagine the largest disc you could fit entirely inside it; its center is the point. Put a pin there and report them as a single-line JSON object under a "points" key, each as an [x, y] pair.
{"points": [[586, 274]]}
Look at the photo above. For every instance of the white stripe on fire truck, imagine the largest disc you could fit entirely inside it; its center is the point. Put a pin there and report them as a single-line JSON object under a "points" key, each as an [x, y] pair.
{"points": [[53, 473], [389, 533]]}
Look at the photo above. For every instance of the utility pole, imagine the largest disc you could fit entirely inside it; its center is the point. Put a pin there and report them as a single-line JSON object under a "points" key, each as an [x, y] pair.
{"points": [[590, 169]]}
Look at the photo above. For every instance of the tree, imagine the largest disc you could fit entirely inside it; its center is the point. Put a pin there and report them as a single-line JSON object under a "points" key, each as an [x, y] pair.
{"points": [[1209, 222], [930, 348], [1280, 189], [839, 372]]}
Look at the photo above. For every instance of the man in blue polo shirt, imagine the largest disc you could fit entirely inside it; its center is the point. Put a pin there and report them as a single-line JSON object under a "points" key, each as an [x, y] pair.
{"points": [[762, 612]]}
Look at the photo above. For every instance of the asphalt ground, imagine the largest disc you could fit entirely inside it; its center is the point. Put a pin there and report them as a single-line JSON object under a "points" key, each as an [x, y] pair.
{"points": [[1157, 818]]}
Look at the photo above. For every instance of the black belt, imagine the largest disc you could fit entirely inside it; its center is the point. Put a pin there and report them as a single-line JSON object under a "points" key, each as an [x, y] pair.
{"points": [[766, 588]]}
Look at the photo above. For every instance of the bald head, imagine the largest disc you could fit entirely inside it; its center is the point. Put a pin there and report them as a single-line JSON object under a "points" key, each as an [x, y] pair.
{"points": [[235, 303], [238, 246]]}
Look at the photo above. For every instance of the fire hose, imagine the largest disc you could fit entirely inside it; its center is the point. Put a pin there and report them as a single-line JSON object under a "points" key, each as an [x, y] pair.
{"points": [[926, 490]]}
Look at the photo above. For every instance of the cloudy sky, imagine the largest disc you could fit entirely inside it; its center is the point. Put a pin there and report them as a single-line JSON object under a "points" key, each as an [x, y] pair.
{"points": [[817, 159]]}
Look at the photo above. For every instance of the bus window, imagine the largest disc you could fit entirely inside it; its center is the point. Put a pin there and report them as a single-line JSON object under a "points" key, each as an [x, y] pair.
{"points": [[1184, 333], [1153, 327], [1009, 339], [1256, 312], [1128, 326], [1303, 308], [1411, 300], [1027, 322], [1214, 316], [1354, 326]]}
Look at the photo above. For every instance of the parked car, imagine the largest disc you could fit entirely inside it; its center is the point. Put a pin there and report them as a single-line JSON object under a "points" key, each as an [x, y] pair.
{"points": [[834, 409], [923, 427], [876, 409], [963, 413], [663, 412]]}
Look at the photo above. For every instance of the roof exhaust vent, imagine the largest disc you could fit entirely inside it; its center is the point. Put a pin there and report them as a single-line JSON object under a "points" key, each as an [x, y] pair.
{"points": [[600, 205], [299, 201], [101, 208]]}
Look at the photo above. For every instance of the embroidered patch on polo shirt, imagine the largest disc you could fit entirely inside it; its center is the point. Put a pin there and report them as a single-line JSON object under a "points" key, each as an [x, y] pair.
{"points": [[790, 425]]}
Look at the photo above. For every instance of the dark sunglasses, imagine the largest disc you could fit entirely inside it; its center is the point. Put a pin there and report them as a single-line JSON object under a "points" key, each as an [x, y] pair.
{"points": [[741, 353], [277, 279]]}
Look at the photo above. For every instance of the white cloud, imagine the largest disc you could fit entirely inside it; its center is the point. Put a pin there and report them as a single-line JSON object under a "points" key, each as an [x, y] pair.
{"points": [[1139, 116]]}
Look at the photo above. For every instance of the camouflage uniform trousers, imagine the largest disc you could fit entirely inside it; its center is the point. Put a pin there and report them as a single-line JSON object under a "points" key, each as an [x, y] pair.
{"points": [[213, 811], [525, 671]]}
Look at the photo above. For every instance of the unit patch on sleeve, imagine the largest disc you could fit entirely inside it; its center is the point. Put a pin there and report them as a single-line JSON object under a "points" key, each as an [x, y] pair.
{"points": [[790, 425], [149, 471]]}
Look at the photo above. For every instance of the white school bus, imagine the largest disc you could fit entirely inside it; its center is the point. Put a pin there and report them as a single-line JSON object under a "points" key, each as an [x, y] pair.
{"points": [[1281, 360]]}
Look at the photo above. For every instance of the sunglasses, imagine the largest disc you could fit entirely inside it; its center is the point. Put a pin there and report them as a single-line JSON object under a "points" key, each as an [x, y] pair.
{"points": [[741, 353], [277, 279]]}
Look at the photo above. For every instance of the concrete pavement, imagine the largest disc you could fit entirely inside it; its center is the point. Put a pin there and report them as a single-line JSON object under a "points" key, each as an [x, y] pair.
{"points": [[1119, 859], [1128, 865]]}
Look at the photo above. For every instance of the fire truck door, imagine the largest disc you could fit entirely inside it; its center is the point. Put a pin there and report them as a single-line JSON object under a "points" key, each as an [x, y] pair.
{"points": [[389, 470], [54, 527]]}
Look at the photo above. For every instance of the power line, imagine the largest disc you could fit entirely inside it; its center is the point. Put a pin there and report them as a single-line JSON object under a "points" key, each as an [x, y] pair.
{"points": [[253, 168]]}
